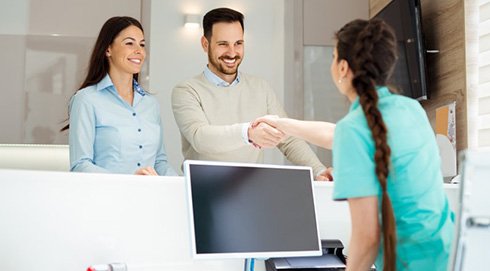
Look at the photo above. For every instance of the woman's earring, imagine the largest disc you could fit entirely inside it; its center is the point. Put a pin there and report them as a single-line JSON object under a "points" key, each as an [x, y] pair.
{"points": [[340, 81]]}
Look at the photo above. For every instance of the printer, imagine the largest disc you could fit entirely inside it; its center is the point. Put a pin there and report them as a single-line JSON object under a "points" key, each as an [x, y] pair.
{"points": [[332, 259]]}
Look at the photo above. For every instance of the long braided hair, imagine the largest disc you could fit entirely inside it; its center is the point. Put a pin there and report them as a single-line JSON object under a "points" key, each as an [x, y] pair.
{"points": [[369, 47]]}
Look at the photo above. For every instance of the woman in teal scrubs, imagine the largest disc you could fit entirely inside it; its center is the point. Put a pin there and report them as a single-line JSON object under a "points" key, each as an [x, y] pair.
{"points": [[385, 158]]}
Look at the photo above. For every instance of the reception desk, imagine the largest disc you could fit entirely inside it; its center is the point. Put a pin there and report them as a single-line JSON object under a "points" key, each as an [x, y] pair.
{"points": [[69, 221]]}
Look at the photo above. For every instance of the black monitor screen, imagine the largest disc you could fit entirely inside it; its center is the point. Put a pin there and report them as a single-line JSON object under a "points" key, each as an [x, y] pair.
{"points": [[409, 75], [247, 210]]}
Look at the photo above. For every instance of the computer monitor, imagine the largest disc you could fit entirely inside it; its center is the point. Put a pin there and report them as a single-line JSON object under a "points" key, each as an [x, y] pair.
{"points": [[410, 72], [240, 210]]}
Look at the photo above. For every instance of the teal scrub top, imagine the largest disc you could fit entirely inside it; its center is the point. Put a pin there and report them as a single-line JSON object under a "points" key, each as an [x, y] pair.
{"points": [[424, 221]]}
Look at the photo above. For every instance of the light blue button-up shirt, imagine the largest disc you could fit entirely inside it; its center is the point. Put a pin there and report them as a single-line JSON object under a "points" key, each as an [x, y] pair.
{"points": [[109, 135], [217, 81]]}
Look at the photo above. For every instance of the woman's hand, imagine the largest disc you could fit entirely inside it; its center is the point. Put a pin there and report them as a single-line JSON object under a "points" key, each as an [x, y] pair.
{"points": [[264, 135], [146, 171], [272, 120]]}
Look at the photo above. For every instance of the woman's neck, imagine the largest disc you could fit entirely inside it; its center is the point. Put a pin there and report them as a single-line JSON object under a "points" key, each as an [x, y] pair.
{"points": [[351, 94], [123, 83]]}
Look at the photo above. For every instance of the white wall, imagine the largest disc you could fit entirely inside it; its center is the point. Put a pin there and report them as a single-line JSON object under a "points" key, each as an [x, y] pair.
{"points": [[175, 53], [323, 18]]}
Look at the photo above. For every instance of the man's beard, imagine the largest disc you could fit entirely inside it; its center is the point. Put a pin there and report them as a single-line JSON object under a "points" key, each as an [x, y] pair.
{"points": [[221, 66]]}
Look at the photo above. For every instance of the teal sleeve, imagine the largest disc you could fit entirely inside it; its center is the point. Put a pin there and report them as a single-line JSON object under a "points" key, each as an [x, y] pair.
{"points": [[353, 162]]}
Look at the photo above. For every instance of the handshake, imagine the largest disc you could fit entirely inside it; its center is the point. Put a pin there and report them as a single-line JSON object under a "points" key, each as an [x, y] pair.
{"points": [[264, 132], [270, 130]]}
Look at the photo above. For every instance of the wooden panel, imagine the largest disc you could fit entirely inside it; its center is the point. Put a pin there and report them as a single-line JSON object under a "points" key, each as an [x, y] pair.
{"points": [[376, 5], [445, 31]]}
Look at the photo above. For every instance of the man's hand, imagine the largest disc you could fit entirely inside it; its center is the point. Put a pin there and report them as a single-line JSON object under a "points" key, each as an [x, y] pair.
{"points": [[326, 175], [265, 136]]}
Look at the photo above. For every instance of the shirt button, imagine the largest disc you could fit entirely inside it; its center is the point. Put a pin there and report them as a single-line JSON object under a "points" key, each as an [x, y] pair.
{"points": [[141, 147], [139, 164], [139, 130], [134, 114]]}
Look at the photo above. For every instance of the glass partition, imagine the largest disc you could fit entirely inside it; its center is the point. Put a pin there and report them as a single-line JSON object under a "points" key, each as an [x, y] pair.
{"points": [[45, 50], [322, 99]]}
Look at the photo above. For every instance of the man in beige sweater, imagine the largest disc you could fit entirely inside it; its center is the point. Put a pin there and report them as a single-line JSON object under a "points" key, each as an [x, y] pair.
{"points": [[214, 109]]}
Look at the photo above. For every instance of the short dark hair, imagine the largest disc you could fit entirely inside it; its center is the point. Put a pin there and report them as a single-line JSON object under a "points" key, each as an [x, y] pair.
{"points": [[219, 15]]}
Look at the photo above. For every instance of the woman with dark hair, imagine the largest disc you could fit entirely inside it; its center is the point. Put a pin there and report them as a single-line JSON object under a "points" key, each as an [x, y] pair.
{"points": [[115, 124], [385, 158]]}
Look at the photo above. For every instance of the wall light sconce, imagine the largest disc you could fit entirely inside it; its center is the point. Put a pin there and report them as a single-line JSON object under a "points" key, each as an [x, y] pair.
{"points": [[192, 21]]}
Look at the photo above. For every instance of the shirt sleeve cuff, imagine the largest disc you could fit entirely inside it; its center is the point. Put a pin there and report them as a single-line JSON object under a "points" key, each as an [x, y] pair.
{"points": [[245, 126]]}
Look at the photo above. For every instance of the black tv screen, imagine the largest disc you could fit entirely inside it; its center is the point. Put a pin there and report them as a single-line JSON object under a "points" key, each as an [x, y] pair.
{"points": [[242, 210], [409, 76]]}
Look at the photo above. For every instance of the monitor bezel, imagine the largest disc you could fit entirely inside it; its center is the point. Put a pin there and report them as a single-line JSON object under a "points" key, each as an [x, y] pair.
{"points": [[245, 255]]}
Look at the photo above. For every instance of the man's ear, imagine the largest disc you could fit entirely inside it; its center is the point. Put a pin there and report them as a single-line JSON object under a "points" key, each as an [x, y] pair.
{"points": [[204, 44]]}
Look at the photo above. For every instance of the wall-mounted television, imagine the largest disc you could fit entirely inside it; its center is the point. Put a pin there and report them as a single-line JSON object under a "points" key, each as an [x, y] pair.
{"points": [[240, 210], [410, 74]]}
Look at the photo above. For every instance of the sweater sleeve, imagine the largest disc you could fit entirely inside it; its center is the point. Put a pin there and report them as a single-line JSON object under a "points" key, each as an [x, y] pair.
{"points": [[194, 126], [294, 149]]}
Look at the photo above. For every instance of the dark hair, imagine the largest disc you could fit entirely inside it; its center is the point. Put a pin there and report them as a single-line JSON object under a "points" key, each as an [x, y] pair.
{"points": [[99, 64], [219, 15], [370, 49]]}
